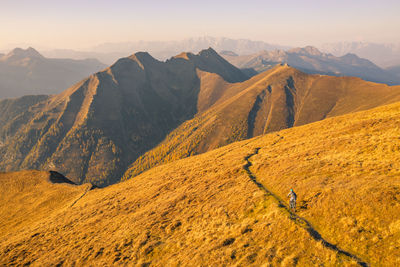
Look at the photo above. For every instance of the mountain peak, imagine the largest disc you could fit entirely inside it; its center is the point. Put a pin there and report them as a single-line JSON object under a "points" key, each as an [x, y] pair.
{"points": [[24, 53], [142, 58], [208, 52], [284, 67], [312, 50], [184, 55], [355, 60], [309, 50], [350, 56]]}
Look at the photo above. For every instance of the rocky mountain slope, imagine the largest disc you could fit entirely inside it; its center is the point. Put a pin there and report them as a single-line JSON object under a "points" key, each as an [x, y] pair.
{"points": [[27, 72], [280, 98], [309, 59], [227, 206], [95, 129]]}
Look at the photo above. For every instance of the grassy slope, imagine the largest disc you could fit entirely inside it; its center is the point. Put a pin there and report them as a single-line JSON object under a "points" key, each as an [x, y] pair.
{"points": [[347, 174], [28, 197], [206, 210]]}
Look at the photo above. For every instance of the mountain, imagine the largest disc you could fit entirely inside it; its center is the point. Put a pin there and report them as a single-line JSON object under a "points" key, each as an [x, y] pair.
{"points": [[96, 128], [24, 72], [311, 60], [17, 107], [279, 98], [162, 50], [141, 112], [383, 55], [225, 207], [19, 54], [395, 70]]}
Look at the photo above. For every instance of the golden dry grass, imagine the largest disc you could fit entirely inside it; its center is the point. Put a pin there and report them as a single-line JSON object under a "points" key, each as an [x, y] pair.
{"points": [[34, 197], [188, 215], [204, 210], [347, 172]]}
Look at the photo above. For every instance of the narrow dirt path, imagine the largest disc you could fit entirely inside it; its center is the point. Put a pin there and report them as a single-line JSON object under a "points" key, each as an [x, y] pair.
{"points": [[294, 217], [89, 187]]}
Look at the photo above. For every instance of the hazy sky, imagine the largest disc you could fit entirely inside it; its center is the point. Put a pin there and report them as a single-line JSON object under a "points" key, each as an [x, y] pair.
{"points": [[80, 24]]}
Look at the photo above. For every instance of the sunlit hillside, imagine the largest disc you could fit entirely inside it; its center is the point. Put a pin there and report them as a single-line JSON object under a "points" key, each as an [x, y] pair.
{"points": [[229, 206], [28, 197]]}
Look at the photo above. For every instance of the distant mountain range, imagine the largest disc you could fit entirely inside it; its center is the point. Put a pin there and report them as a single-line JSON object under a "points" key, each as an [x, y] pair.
{"points": [[141, 112], [110, 52], [26, 72], [384, 55], [239, 46], [310, 60]]}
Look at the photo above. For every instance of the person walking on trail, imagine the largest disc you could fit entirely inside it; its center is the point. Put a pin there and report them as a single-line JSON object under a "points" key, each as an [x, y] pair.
{"points": [[292, 200]]}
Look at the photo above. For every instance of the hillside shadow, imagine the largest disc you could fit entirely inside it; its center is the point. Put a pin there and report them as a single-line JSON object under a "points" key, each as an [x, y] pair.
{"points": [[58, 178]]}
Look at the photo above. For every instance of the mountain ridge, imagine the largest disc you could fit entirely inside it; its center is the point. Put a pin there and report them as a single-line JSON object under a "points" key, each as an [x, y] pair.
{"points": [[107, 120], [19, 53]]}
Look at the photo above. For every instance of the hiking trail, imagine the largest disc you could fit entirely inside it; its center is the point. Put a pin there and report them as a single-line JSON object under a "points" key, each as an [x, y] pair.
{"points": [[300, 221], [89, 187]]}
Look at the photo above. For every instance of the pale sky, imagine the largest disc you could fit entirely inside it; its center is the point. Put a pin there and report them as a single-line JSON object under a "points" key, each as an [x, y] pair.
{"points": [[80, 24]]}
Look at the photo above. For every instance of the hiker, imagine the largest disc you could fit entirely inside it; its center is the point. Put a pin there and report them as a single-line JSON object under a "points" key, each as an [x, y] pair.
{"points": [[292, 200]]}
